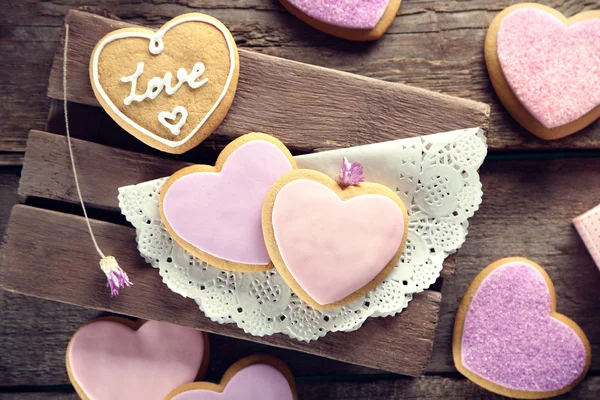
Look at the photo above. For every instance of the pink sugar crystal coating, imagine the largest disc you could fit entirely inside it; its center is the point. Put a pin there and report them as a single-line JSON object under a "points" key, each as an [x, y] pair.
{"points": [[354, 14], [553, 69], [510, 337]]}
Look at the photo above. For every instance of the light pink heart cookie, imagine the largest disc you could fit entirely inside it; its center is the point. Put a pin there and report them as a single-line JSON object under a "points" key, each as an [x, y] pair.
{"points": [[354, 20], [116, 359], [252, 378], [546, 68], [215, 212], [509, 338], [332, 245]]}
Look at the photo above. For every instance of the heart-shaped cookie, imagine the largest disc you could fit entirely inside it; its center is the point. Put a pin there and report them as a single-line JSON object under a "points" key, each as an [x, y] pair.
{"points": [[215, 212], [114, 358], [509, 338], [186, 71], [353, 20], [545, 68], [332, 245], [258, 377]]}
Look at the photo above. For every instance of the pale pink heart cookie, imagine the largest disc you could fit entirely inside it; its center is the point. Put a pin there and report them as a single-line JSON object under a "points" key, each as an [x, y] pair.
{"points": [[252, 378], [215, 212], [354, 20], [332, 245], [546, 68], [509, 338], [116, 359]]}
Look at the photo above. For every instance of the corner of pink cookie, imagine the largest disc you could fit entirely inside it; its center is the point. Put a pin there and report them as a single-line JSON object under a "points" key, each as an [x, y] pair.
{"points": [[588, 228]]}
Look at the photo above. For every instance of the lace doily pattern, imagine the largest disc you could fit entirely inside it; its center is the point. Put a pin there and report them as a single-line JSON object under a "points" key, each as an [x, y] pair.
{"points": [[435, 175]]}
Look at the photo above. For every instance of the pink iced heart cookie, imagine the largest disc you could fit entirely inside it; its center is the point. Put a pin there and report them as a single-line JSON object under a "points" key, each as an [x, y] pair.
{"points": [[354, 20], [215, 212], [117, 359], [546, 68], [332, 245], [257, 377], [509, 338]]}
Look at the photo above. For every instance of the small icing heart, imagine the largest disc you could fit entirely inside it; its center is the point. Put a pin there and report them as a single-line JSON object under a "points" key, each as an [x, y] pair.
{"points": [[174, 127], [252, 378], [109, 359], [215, 213], [190, 65], [509, 339], [332, 245], [549, 77]]}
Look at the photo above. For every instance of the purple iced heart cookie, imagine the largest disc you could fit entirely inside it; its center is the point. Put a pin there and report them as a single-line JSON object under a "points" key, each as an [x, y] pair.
{"points": [[509, 339], [252, 378], [357, 14], [215, 212], [354, 20]]}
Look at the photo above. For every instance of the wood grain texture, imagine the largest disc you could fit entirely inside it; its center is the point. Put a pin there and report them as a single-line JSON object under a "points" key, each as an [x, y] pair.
{"points": [[47, 173], [36, 332], [401, 344], [308, 107], [424, 388], [433, 45]]}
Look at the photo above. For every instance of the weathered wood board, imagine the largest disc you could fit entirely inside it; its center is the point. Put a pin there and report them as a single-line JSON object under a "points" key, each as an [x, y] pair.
{"points": [[432, 45], [32, 262], [309, 108], [425, 388], [46, 173]]}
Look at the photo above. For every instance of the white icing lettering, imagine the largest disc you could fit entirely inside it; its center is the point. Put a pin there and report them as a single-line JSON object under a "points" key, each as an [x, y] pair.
{"points": [[156, 84], [175, 128]]}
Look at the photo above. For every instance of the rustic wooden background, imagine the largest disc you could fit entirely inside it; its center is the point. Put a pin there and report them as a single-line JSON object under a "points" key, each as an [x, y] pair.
{"points": [[532, 188]]}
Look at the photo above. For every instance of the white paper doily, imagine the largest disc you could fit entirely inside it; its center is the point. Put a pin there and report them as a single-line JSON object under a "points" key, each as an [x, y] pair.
{"points": [[436, 177]]}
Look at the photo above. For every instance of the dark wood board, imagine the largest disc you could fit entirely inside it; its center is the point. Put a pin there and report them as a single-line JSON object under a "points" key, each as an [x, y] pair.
{"points": [[425, 388], [35, 332], [47, 174], [432, 45], [309, 108], [70, 274], [541, 229]]}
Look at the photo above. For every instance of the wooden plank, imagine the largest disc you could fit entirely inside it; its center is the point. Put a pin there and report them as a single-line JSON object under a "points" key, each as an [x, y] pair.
{"points": [[47, 173], [39, 396], [34, 263], [308, 107], [424, 388], [35, 333], [432, 45], [101, 170]]}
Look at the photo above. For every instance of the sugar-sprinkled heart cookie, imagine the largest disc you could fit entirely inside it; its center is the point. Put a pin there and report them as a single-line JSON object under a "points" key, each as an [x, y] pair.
{"points": [[117, 359], [258, 377], [170, 88], [546, 67], [353, 20], [215, 212], [332, 244], [508, 337]]}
